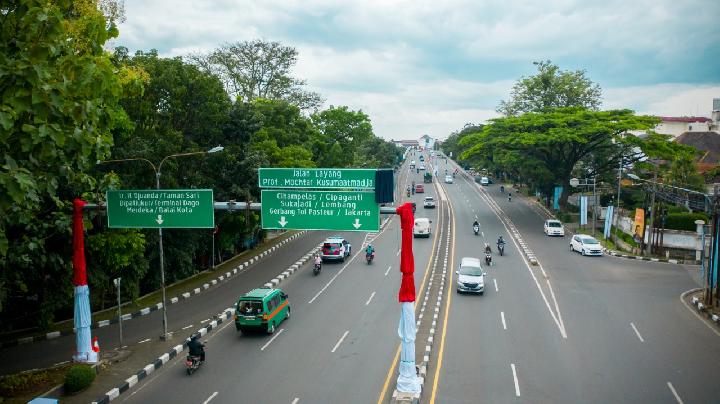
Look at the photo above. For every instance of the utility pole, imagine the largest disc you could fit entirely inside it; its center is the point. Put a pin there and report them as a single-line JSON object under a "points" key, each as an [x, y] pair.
{"points": [[652, 216], [116, 281], [617, 208]]}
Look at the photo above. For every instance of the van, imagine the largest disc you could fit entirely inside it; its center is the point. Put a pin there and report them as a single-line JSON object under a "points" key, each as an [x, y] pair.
{"points": [[422, 227], [261, 309]]}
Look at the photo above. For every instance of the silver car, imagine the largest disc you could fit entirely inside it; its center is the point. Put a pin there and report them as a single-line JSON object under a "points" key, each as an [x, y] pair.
{"points": [[471, 276]]}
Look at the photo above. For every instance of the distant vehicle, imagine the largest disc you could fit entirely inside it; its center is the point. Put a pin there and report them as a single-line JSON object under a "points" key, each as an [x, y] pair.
{"points": [[427, 178], [422, 166], [448, 179], [421, 158], [422, 227], [429, 202], [585, 245], [484, 181], [412, 164], [471, 276], [335, 248], [261, 309], [554, 227], [419, 189]]}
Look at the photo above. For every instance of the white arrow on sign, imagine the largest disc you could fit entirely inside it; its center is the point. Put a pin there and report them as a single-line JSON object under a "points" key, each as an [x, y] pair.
{"points": [[159, 219], [357, 224], [282, 221]]}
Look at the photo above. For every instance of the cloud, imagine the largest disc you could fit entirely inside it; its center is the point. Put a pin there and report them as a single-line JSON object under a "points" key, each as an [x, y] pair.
{"points": [[666, 99]]}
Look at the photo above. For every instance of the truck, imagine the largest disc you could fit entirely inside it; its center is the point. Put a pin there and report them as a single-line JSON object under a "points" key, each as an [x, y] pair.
{"points": [[427, 178]]}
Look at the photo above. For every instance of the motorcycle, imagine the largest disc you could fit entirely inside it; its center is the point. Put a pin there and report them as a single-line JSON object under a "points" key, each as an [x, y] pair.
{"points": [[193, 363], [369, 257], [408, 193], [502, 189], [476, 229], [488, 259], [509, 198], [501, 248], [316, 269]]}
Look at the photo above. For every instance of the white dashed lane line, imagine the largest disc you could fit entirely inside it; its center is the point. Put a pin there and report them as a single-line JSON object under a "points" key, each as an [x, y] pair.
{"points": [[672, 389], [502, 317], [370, 299], [210, 398], [495, 282], [186, 327], [515, 379], [637, 332], [340, 341], [280, 331], [388, 270], [143, 341]]}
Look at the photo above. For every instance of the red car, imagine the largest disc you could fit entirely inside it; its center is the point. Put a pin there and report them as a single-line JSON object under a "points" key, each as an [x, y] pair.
{"points": [[419, 189]]}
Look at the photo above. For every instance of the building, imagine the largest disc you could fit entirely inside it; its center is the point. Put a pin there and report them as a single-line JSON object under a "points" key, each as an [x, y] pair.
{"points": [[406, 143], [427, 142], [677, 125]]}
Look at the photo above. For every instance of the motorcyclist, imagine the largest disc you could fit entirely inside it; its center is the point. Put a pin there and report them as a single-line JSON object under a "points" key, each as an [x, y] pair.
{"points": [[318, 260], [370, 250], [500, 241], [509, 196], [488, 250], [502, 189], [196, 347], [476, 225]]}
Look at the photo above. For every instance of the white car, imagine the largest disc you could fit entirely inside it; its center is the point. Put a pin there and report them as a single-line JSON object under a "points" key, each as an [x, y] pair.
{"points": [[422, 166], [554, 227], [429, 202], [485, 181], [422, 227], [335, 248], [585, 245], [448, 179], [471, 277]]}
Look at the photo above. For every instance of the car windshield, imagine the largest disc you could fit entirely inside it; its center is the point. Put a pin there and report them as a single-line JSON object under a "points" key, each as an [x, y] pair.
{"points": [[428, 199], [250, 307], [588, 240], [554, 224], [470, 271]]}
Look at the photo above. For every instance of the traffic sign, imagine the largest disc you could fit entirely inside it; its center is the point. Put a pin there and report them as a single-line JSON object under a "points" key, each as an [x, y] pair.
{"points": [[320, 210], [160, 208], [322, 178]]}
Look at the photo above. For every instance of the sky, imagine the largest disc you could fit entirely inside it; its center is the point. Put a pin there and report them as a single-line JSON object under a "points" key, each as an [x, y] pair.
{"points": [[429, 67]]}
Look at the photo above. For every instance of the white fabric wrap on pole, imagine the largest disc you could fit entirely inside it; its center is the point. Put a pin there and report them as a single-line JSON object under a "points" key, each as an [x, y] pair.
{"points": [[408, 381], [583, 210], [83, 320]]}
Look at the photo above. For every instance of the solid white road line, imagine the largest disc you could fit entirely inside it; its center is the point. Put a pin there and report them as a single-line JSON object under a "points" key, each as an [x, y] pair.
{"points": [[211, 397], [369, 299], [637, 332], [280, 331], [495, 282], [205, 321], [143, 341], [340, 341], [517, 385], [483, 234], [502, 316], [398, 253], [388, 270], [185, 328], [295, 401], [677, 397]]}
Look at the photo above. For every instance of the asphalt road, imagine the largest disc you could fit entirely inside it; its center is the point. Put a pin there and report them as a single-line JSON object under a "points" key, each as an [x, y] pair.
{"points": [[336, 347], [576, 329]]}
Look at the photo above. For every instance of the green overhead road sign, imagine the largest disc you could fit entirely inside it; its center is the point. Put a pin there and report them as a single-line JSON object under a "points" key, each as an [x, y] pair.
{"points": [[320, 210], [323, 178], [166, 208]]}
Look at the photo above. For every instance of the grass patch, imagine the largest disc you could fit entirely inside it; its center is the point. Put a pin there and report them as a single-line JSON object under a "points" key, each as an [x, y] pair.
{"points": [[23, 387]]}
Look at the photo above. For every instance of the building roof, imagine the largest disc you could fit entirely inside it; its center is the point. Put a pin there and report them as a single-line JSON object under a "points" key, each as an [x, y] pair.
{"points": [[707, 142], [686, 119]]}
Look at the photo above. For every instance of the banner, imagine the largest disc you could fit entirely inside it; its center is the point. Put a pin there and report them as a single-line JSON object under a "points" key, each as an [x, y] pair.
{"points": [[556, 200], [639, 225], [583, 210], [608, 221]]}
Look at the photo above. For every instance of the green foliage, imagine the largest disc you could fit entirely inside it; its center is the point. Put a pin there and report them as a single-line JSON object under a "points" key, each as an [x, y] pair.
{"points": [[16, 384], [551, 88], [59, 102], [683, 173], [684, 220], [78, 378]]}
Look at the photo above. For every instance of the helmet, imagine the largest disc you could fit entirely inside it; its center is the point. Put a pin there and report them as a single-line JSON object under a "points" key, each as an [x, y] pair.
{"points": [[194, 337]]}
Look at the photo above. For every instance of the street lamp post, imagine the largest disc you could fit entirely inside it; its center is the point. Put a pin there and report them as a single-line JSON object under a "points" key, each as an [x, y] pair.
{"points": [[116, 281], [165, 335]]}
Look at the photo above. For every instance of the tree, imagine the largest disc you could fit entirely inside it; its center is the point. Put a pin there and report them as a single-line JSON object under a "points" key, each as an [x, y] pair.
{"points": [[545, 148], [684, 174], [59, 104], [345, 128], [259, 69], [551, 88]]}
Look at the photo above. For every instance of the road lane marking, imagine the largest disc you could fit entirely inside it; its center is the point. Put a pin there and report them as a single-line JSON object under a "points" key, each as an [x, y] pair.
{"points": [[143, 341], [495, 282], [398, 253], [677, 397], [189, 326], [368, 300], [211, 397], [205, 321], [388, 270], [280, 331], [483, 234], [502, 316], [637, 332], [340, 341], [515, 379], [295, 401]]}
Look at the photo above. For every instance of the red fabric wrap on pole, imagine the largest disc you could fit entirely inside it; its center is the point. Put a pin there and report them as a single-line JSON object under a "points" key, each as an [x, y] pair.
{"points": [[79, 273], [407, 261]]}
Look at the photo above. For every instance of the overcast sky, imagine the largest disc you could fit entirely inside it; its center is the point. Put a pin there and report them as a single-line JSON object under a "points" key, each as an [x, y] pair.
{"points": [[428, 67]]}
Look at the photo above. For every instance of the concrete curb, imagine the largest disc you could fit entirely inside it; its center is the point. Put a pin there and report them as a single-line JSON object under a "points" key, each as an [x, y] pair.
{"points": [[172, 300], [702, 313], [133, 380], [617, 254]]}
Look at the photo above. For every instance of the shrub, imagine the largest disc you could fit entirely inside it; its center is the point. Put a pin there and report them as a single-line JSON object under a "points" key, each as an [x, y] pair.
{"points": [[78, 378], [684, 221]]}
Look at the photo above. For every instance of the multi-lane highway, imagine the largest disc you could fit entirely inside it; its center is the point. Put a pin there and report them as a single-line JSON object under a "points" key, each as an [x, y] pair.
{"points": [[571, 329]]}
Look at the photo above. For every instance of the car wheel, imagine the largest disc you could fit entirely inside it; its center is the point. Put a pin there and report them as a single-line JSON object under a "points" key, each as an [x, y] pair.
{"points": [[582, 251], [271, 329], [572, 248], [287, 315]]}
